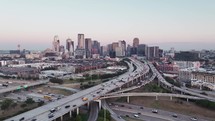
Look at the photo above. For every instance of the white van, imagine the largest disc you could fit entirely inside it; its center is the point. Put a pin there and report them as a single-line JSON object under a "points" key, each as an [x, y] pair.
{"points": [[136, 116]]}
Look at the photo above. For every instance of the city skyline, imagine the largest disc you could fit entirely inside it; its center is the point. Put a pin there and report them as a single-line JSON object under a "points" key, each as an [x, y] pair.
{"points": [[32, 24]]}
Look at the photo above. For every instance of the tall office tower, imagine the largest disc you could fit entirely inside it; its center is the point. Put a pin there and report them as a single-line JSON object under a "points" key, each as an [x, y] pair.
{"points": [[70, 46], [81, 41], [135, 42], [128, 53], [95, 47], [56, 44], [88, 47], [153, 52], [104, 51], [142, 50], [62, 49], [122, 44], [114, 45]]}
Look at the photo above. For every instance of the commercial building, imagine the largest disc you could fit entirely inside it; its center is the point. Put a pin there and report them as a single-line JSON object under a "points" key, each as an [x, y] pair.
{"points": [[168, 68], [185, 75], [56, 44], [88, 47], [187, 56], [70, 46], [21, 72], [81, 41], [187, 64], [142, 50], [135, 42], [119, 52], [203, 79], [153, 52]]}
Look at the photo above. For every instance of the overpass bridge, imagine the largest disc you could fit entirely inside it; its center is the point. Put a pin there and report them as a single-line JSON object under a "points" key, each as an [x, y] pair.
{"points": [[165, 84], [73, 102], [15, 88], [150, 94]]}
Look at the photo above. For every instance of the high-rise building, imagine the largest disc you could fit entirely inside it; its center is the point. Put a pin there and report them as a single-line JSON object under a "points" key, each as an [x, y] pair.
{"points": [[153, 52], [88, 47], [104, 51], [70, 46], [122, 44], [128, 52], [114, 45], [81, 41], [62, 49], [135, 42], [119, 52], [56, 44], [95, 47], [142, 50]]}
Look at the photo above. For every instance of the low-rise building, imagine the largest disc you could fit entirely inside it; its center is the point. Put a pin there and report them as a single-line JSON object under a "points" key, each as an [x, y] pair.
{"points": [[168, 68], [187, 64], [21, 72], [203, 79]]}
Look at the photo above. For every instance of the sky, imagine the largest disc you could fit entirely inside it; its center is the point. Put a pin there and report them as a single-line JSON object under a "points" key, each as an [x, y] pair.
{"points": [[167, 23]]}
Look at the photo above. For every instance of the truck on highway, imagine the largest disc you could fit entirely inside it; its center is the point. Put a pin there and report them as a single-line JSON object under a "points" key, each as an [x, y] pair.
{"points": [[47, 97], [84, 99]]}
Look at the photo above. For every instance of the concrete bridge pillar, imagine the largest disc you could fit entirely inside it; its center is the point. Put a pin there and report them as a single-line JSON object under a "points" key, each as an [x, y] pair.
{"points": [[100, 103], [128, 99], [88, 105], [70, 114], [61, 118], [187, 100], [156, 98], [170, 97], [77, 111]]}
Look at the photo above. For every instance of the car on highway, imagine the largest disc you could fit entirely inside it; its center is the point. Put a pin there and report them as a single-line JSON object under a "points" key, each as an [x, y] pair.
{"points": [[141, 107], [74, 105], [34, 119], [50, 115], [174, 115], [57, 108], [193, 118], [154, 111], [52, 110], [136, 116], [22, 119], [119, 117], [84, 99], [67, 106]]}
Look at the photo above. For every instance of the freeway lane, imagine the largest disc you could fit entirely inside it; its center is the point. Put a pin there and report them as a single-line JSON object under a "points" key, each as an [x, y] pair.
{"points": [[162, 115], [92, 93], [94, 110], [10, 89], [162, 80]]}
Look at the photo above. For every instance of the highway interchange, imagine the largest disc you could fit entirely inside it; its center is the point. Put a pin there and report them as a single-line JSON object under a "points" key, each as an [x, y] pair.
{"points": [[75, 100]]}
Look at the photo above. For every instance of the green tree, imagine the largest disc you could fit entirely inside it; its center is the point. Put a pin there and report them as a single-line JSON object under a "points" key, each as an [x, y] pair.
{"points": [[29, 101], [41, 103], [78, 118], [23, 105], [56, 80], [6, 104]]}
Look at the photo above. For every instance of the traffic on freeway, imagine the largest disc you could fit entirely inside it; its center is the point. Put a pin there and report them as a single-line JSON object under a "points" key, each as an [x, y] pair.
{"points": [[78, 99]]}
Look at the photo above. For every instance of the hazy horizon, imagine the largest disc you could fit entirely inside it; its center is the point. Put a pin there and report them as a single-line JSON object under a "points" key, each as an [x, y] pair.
{"points": [[166, 23]]}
